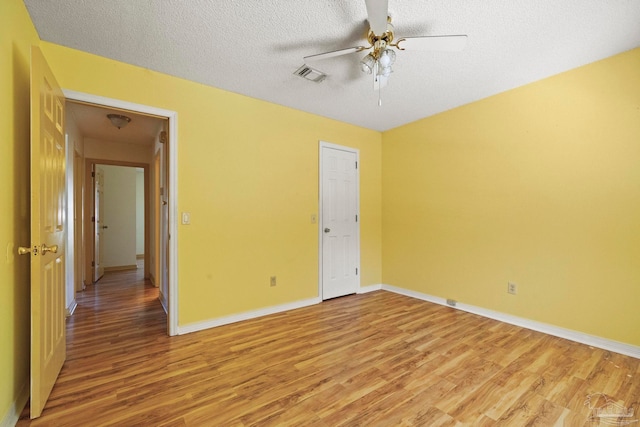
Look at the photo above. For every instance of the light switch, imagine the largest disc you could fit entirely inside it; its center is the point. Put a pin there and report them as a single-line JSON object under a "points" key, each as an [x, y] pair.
{"points": [[186, 218]]}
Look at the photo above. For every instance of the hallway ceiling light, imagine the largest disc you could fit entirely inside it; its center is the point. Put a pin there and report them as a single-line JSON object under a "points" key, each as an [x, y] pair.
{"points": [[119, 120]]}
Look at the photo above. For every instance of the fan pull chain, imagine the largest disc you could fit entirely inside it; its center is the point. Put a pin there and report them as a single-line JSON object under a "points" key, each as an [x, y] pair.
{"points": [[376, 79]]}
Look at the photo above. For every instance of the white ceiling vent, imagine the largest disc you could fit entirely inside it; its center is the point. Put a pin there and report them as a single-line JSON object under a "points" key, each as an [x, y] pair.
{"points": [[310, 74]]}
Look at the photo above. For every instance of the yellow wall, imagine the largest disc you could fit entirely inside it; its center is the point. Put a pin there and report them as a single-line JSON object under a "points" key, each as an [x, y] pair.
{"points": [[248, 174], [17, 34], [539, 186]]}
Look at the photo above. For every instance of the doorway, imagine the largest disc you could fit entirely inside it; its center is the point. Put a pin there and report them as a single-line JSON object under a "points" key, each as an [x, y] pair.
{"points": [[339, 230], [120, 224], [168, 139]]}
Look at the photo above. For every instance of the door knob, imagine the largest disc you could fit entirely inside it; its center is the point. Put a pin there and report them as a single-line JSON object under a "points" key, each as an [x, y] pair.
{"points": [[326, 230], [24, 250], [45, 249], [105, 226]]}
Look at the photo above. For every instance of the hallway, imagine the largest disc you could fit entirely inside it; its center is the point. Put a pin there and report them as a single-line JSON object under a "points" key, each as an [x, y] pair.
{"points": [[119, 322]]}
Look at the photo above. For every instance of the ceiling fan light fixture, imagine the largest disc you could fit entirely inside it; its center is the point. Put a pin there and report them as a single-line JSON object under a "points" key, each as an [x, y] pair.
{"points": [[367, 63], [385, 71], [385, 59], [392, 55], [118, 120]]}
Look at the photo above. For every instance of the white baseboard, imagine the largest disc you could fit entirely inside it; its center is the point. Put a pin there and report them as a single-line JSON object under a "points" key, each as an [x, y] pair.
{"points": [[163, 302], [592, 340], [370, 288], [11, 417], [72, 307], [121, 268], [212, 323]]}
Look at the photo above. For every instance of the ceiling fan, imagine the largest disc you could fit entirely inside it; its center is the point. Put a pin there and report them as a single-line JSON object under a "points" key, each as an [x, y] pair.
{"points": [[381, 40]]}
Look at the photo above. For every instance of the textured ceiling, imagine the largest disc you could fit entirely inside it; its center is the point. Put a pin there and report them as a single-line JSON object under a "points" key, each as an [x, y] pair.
{"points": [[253, 47]]}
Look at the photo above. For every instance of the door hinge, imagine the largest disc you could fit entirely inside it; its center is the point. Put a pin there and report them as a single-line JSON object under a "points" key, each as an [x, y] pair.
{"points": [[356, 218], [93, 174], [93, 219], [356, 165], [356, 271], [93, 264]]}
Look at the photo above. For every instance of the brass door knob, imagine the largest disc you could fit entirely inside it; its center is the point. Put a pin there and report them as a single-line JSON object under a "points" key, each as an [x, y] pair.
{"points": [[23, 250], [45, 249]]}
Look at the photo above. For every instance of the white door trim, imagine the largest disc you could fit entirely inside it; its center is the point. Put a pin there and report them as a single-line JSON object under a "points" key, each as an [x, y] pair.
{"points": [[172, 116], [321, 145]]}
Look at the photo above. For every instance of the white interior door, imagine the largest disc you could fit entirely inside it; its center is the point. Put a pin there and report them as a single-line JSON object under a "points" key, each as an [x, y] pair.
{"points": [[98, 216], [48, 228], [339, 227]]}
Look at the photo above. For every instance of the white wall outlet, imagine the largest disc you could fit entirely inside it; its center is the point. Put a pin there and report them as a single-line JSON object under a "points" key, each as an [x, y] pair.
{"points": [[512, 288], [314, 218]]}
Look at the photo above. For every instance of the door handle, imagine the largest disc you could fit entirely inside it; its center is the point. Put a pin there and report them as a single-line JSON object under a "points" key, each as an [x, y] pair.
{"points": [[326, 230], [45, 249], [22, 250], [105, 226]]}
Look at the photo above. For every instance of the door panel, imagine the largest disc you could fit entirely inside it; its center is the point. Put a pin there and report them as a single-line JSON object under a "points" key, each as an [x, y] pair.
{"points": [[98, 223], [48, 195], [340, 241]]}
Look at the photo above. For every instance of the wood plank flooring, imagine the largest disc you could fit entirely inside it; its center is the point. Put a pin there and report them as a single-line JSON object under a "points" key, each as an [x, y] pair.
{"points": [[377, 359]]}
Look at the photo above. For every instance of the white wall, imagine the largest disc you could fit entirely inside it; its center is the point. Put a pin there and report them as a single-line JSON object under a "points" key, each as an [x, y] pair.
{"points": [[139, 211], [119, 216]]}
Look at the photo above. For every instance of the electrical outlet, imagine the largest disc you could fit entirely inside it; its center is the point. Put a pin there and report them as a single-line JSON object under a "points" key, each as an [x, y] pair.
{"points": [[512, 288], [273, 281], [451, 302]]}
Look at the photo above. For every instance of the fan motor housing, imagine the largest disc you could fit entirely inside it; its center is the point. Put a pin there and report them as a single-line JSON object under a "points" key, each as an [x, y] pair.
{"points": [[386, 37]]}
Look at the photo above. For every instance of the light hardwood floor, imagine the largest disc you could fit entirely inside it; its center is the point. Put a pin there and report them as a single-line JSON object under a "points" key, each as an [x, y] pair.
{"points": [[378, 359]]}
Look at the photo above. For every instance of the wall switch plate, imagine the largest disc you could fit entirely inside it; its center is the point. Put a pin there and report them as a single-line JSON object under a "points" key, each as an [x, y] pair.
{"points": [[186, 218], [512, 288]]}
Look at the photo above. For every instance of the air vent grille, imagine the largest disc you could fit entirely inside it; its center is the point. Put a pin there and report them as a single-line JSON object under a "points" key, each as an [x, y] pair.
{"points": [[311, 74]]}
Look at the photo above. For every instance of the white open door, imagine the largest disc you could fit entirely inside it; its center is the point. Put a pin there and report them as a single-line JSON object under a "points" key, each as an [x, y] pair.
{"points": [[48, 223], [98, 223], [339, 226]]}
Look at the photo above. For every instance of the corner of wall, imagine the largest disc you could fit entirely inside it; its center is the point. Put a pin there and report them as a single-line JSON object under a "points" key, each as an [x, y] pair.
{"points": [[13, 414]]}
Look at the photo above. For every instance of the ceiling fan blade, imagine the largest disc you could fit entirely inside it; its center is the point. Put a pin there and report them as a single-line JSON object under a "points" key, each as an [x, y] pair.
{"points": [[333, 53], [377, 14], [441, 43]]}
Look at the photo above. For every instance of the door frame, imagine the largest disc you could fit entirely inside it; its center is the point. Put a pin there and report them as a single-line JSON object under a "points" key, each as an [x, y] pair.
{"points": [[172, 117], [321, 146], [94, 209], [90, 165]]}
